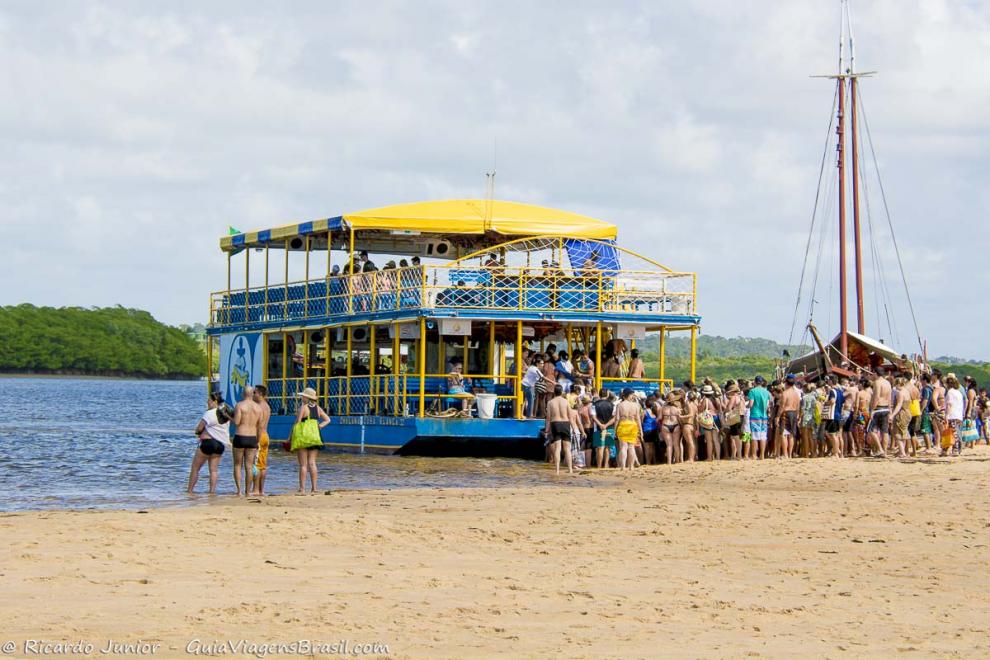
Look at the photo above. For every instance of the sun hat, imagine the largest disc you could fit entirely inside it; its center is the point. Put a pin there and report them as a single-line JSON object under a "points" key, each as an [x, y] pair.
{"points": [[707, 389], [732, 389], [675, 395], [308, 393]]}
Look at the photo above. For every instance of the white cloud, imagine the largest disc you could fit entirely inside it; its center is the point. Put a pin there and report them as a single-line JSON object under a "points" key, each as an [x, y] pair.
{"points": [[133, 134]]}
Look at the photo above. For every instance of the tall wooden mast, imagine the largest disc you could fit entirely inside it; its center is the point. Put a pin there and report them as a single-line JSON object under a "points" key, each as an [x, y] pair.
{"points": [[857, 243], [841, 164]]}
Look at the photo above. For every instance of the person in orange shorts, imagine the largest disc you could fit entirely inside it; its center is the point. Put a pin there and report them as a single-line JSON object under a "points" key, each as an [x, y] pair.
{"points": [[261, 462]]}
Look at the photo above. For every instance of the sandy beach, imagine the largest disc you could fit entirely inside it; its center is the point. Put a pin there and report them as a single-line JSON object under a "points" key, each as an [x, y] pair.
{"points": [[822, 558]]}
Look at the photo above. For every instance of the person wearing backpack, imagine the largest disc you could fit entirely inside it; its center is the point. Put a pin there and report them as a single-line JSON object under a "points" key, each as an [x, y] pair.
{"points": [[213, 432], [603, 414]]}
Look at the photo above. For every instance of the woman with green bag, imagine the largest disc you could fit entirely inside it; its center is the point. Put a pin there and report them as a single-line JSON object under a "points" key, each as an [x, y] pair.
{"points": [[305, 438]]}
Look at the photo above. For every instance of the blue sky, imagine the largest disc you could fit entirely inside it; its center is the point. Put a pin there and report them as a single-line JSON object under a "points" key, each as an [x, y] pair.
{"points": [[134, 133]]}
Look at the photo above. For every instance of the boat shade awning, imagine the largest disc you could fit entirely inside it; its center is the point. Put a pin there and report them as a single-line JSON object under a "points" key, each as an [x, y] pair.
{"points": [[871, 344], [861, 348], [604, 255], [455, 216]]}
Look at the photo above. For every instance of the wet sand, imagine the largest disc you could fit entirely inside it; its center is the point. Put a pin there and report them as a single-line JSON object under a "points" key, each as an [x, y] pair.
{"points": [[822, 558]]}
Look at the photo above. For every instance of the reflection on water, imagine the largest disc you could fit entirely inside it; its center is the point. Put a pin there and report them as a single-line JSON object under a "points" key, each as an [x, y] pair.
{"points": [[80, 443]]}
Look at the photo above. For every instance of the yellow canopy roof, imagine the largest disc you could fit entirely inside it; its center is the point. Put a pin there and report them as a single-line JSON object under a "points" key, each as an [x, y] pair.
{"points": [[475, 216], [453, 216]]}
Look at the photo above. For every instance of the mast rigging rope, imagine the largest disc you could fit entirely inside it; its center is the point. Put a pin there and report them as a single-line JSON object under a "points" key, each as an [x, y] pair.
{"points": [[893, 236], [814, 212]]}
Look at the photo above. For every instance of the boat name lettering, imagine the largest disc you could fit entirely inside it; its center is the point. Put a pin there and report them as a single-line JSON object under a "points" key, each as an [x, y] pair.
{"points": [[372, 421]]}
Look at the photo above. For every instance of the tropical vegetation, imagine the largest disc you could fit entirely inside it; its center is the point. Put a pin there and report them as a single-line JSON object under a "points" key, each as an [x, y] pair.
{"points": [[109, 341]]}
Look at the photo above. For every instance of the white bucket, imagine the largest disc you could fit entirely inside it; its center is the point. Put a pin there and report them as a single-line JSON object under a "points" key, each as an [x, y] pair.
{"points": [[486, 405]]}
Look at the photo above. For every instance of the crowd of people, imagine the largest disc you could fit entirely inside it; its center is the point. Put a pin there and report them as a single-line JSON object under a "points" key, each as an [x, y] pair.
{"points": [[250, 443], [878, 415], [884, 414]]}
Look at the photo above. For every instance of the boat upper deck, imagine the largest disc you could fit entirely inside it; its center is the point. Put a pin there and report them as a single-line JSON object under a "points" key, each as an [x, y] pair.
{"points": [[459, 289], [566, 267]]}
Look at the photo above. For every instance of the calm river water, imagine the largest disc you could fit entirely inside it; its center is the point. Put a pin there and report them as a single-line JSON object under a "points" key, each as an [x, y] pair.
{"points": [[87, 443]]}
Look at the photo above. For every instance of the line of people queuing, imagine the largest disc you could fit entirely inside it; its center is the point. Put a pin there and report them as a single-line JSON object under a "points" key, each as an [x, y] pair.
{"points": [[879, 415]]}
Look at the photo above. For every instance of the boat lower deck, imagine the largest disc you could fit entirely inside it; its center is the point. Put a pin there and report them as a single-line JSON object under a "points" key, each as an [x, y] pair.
{"points": [[430, 436]]}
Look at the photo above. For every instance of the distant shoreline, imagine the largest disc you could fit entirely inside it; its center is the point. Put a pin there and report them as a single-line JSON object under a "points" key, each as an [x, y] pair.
{"points": [[92, 376]]}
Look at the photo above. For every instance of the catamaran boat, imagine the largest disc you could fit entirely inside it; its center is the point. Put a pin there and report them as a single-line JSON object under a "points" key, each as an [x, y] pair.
{"points": [[491, 279]]}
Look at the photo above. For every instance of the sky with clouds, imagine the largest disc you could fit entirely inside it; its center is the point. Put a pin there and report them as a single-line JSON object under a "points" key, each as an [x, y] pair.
{"points": [[133, 134]]}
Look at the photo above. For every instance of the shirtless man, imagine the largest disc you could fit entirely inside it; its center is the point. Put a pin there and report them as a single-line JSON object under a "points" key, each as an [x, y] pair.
{"points": [[636, 367], [558, 428], [787, 415], [863, 399], [851, 394], [902, 416], [612, 367], [261, 463], [878, 429], [247, 419]]}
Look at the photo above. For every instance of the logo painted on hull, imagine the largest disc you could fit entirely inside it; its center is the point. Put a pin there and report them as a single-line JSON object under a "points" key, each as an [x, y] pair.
{"points": [[240, 359]]}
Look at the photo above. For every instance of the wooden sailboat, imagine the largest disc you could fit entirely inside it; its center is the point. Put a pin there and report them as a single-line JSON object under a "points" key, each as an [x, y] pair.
{"points": [[849, 353]]}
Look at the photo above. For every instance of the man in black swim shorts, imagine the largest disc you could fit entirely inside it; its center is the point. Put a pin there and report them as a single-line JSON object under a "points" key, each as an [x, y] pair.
{"points": [[558, 428], [247, 419]]}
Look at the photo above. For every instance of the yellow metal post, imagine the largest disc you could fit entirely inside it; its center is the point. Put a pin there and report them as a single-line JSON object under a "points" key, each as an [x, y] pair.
{"points": [[285, 300], [395, 367], [306, 284], [441, 352], [229, 257], [422, 365], [305, 352], [285, 372], [491, 347], [694, 351], [663, 352], [326, 307], [247, 283], [327, 365], [465, 351], [347, 366], [570, 330], [372, 360], [519, 370], [598, 355], [350, 279]]}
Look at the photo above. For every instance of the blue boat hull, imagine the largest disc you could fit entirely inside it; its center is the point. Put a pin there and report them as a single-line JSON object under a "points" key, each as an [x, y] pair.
{"points": [[424, 436]]}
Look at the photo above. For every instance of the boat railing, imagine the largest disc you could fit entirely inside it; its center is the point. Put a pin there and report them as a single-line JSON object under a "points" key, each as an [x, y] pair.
{"points": [[455, 286], [639, 385], [386, 394]]}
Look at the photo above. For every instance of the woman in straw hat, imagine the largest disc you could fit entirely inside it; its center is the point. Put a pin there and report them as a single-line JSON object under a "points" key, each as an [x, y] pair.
{"points": [[306, 439]]}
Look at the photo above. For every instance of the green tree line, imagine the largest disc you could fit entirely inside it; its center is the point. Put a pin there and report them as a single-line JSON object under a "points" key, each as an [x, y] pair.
{"points": [[722, 358], [110, 341]]}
